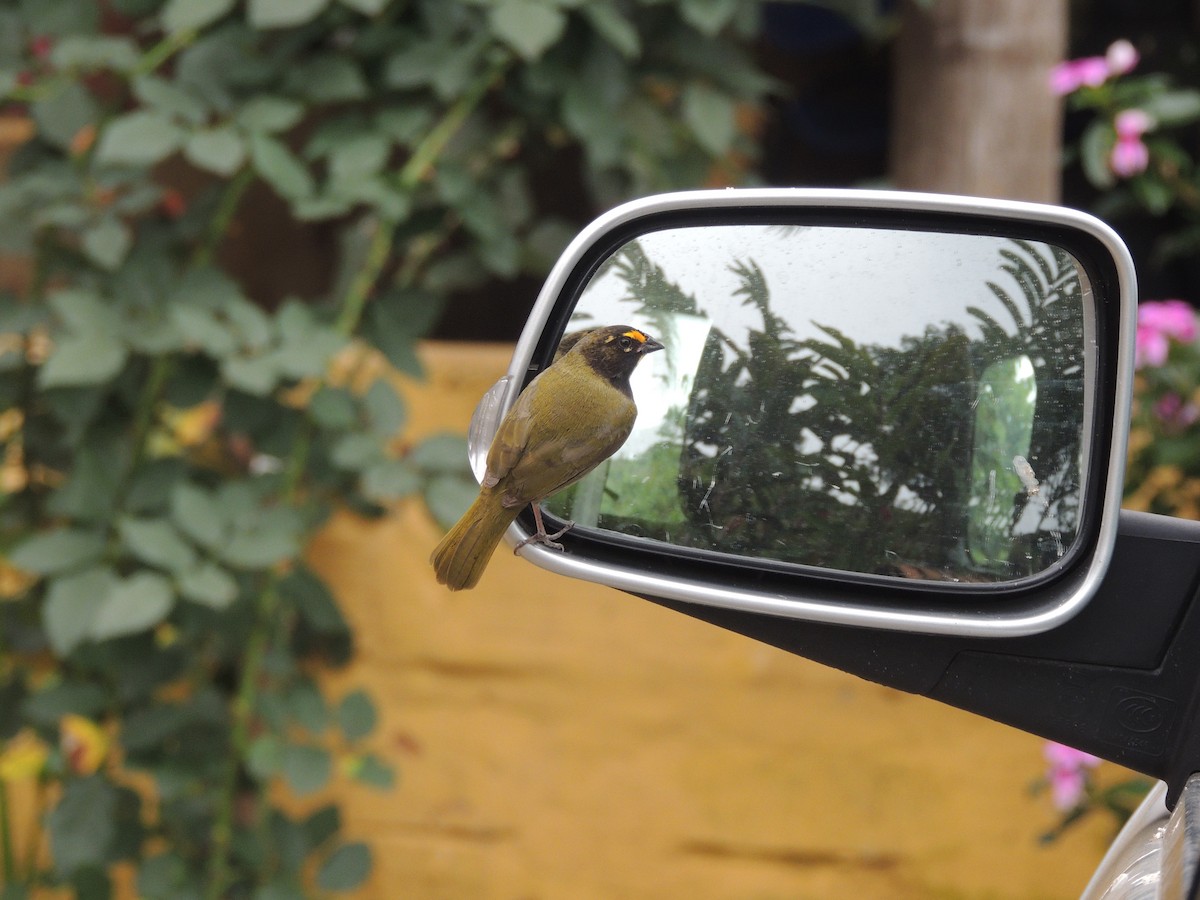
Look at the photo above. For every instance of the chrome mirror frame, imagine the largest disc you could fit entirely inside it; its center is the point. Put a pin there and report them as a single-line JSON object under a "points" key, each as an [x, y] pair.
{"points": [[826, 599]]}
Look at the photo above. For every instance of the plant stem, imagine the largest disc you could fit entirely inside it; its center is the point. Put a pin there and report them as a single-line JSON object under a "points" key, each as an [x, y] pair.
{"points": [[408, 178], [6, 844], [164, 50], [227, 206]]}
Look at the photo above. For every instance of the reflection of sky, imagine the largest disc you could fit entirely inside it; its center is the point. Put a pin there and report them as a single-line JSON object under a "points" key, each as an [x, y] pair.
{"points": [[874, 285]]}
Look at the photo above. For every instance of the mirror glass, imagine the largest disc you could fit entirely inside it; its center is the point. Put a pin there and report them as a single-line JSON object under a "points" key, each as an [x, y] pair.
{"points": [[889, 402]]}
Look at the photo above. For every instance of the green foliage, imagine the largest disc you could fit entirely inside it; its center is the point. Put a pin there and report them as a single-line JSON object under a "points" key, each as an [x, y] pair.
{"points": [[172, 440]]}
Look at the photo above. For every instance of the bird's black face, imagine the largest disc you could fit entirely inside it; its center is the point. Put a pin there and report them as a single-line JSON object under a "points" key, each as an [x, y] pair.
{"points": [[614, 352]]}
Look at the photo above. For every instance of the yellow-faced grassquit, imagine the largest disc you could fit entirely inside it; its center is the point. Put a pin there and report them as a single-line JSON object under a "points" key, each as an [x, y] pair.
{"points": [[571, 417]]}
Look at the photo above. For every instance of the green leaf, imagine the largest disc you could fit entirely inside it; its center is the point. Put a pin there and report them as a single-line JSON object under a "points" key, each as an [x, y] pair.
{"points": [[262, 538], [614, 28], [1170, 109], [56, 17], [333, 408], [91, 489], [283, 13], [1154, 194], [139, 138], [60, 116], [155, 541], [83, 824], [95, 52], [306, 768], [306, 346], [389, 479], [528, 26], [264, 759], [83, 360], [163, 877], [357, 451], [385, 409], [257, 374], [183, 15], [328, 78], [279, 168], [150, 492], [46, 707], [361, 156], [269, 114], [393, 322], [321, 826], [170, 98], [147, 728], [313, 601], [442, 453], [107, 242], [82, 310], [708, 16], [366, 7], [219, 150], [710, 115], [448, 497], [196, 513], [135, 604], [61, 550], [71, 604], [356, 715], [307, 707], [1095, 147], [369, 769], [346, 868], [209, 585]]}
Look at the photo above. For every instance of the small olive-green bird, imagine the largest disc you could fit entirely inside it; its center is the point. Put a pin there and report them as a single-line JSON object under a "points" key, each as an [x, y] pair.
{"points": [[571, 417]]}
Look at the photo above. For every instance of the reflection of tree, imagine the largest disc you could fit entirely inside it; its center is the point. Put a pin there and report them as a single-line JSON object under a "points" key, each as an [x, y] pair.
{"points": [[1049, 331], [834, 439], [858, 456]]}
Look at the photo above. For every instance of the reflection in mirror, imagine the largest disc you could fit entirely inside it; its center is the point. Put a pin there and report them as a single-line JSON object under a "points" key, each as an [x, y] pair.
{"points": [[868, 400]]}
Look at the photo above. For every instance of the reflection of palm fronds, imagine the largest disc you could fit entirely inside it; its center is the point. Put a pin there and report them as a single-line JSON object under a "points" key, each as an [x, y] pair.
{"points": [[1051, 292], [647, 284]]}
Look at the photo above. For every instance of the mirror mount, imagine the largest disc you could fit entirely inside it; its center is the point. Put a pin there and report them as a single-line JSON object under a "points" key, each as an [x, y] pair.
{"points": [[1120, 680]]}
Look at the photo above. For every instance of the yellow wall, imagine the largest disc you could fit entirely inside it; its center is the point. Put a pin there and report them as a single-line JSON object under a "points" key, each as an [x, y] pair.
{"points": [[561, 740]]}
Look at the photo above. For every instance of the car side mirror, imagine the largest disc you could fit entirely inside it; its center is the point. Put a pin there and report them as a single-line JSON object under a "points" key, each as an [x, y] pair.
{"points": [[888, 433], [873, 409]]}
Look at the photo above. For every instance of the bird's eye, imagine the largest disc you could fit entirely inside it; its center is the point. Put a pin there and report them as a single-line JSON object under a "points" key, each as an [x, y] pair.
{"points": [[625, 342]]}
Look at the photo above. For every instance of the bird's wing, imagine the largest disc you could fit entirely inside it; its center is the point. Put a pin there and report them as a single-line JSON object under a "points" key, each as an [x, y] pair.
{"points": [[512, 437]]}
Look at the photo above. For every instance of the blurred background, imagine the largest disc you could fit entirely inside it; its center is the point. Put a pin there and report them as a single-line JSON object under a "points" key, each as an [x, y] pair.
{"points": [[259, 259]]}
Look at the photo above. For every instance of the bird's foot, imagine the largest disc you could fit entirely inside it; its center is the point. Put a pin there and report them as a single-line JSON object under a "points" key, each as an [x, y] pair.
{"points": [[546, 540]]}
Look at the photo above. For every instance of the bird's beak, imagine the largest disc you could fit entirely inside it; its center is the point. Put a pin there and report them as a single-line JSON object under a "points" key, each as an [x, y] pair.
{"points": [[649, 345]]}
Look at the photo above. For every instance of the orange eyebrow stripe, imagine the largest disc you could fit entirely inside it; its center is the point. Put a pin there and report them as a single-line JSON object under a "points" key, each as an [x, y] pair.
{"points": [[636, 335]]}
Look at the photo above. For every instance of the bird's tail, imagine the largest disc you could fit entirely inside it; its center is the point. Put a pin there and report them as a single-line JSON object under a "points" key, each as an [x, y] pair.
{"points": [[464, 552]]}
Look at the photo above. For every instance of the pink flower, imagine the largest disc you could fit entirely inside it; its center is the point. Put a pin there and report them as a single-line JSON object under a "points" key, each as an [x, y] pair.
{"points": [[1132, 123], [1174, 413], [1160, 322], [1092, 71], [1129, 157], [1073, 74], [1067, 773], [1122, 57]]}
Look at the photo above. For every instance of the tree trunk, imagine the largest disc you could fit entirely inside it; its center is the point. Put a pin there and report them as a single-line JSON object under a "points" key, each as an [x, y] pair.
{"points": [[972, 110]]}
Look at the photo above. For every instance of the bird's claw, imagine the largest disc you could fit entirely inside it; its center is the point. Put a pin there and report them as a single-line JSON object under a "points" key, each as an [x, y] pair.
{"points": [[546, 540]]}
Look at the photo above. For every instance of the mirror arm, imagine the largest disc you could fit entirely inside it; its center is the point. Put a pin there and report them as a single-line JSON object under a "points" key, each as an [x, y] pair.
{"points": [[1120, 680]]}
